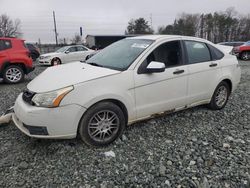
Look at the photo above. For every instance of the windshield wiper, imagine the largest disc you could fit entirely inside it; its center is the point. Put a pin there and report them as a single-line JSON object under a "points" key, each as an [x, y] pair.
{"points": [[95, 64]]}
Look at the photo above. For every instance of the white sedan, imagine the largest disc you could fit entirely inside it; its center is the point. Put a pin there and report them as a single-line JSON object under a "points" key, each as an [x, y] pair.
{"points": [[66, 54], [131, 80]]}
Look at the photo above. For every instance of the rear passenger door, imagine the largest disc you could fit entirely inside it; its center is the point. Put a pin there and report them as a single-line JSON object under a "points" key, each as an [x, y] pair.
{"points": [[204, 72], [81, 53]]}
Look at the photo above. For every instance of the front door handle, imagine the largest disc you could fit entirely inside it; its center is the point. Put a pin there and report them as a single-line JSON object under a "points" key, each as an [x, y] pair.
{"points": [[213, 65], [178, 72]]}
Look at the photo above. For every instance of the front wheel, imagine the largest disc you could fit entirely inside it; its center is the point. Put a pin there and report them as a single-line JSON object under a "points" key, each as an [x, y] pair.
{"points": [[102, 124], [245, 56], [13, 74], [56, 61], [220, 96]]}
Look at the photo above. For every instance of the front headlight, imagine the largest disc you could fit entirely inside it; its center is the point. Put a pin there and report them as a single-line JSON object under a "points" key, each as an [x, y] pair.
{"points": [[45, 57], [51, 99]]}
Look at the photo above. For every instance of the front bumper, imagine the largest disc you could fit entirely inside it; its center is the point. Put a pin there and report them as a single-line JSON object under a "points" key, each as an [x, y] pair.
{"points": [[44, 62], [57, 123]]}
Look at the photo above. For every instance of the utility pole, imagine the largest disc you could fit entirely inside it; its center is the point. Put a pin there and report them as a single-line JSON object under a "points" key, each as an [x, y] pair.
{"points": [[151, 20], [55, 27]]}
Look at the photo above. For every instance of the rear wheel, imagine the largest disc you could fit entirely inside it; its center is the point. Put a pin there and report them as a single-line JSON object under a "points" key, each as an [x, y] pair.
{"points": [[102, 124], [220, 96], [56, 61], [245, 56], [13, 74]]}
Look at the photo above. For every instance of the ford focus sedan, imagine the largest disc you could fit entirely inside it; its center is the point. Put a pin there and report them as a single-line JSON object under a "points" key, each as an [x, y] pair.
{"points": [[133, 79]]}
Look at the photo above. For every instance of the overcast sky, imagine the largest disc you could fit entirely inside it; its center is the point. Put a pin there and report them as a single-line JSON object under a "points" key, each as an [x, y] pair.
{"points": [[103, 16]]}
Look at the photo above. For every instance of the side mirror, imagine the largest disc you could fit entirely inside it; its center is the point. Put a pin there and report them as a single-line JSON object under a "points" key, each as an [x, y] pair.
{"points": [[154, 67], [66, 52]]}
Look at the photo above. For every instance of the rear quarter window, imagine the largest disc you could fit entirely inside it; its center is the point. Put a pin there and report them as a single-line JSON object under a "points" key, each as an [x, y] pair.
{"points": [[215, 53]]}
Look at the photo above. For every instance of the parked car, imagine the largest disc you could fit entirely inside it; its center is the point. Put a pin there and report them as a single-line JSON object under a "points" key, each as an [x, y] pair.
{"points": [[65, 54], [92, 54], [34, 51], [233, 44], [243, 51], [15, 60], [130, 80]]}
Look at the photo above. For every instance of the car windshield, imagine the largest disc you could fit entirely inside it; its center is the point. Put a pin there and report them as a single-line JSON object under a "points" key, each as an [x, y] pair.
{"points": [[120, 55], [62, 49]]}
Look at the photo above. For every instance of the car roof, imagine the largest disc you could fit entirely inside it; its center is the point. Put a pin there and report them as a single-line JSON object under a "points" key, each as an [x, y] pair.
{"points": [[165, 37], [10, 38], [155, 37]]}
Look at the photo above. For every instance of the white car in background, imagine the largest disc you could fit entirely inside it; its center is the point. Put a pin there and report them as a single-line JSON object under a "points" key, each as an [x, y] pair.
{"points": [[66, 54], [130, 80]]}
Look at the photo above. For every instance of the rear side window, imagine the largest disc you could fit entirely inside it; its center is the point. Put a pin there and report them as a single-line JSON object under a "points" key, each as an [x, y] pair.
{"points": [[5, 44], [216, 54], [81, 48], [197, 52]]}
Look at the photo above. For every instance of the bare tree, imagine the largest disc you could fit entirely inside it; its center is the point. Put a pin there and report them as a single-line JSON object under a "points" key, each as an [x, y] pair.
{"points": [[77, 39], [9, 27]]}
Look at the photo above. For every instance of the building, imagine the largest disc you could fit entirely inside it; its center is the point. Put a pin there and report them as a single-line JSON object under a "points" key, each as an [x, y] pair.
{"points": [[101, 41]]}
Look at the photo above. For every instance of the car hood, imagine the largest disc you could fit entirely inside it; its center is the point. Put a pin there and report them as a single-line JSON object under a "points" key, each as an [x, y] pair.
{"points": [[61, 76]]}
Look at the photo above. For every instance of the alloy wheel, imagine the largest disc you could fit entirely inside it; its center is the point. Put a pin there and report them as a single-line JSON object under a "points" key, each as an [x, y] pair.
{"points": [[103, 125], [13, 74], [221, 96]]}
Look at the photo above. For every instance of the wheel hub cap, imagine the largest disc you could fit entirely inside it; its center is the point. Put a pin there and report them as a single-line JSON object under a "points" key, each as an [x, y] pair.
{"points": [[103, 126], [13, 74], [221, 96]]}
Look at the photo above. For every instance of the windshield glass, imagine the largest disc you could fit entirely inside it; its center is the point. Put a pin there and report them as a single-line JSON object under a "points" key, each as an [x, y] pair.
{"points": [[120, 55], [62, 49]]}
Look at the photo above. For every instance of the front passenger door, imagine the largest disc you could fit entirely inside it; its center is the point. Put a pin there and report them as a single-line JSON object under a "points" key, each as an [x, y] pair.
{"points": [[159, 92], [71, 54]]}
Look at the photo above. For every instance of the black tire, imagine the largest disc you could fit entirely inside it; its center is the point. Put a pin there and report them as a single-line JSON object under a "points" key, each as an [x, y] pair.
{"points": [[33, 56], [245, 56], [12, 79], [87, 132], [56, 61], [215, 103]]}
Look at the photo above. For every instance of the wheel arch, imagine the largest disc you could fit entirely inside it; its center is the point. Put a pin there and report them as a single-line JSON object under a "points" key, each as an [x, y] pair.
{"points": [[229, 82], [7, 63], [117, 102]]}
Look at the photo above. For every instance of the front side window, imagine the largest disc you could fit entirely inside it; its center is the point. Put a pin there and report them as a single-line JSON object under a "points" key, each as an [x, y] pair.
{"points": [[72, 49], [197, 52], [168, 53], [120, 55], [63, 49]]}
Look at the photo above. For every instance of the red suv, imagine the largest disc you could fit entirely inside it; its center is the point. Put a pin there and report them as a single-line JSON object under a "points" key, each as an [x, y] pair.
{"points": [[243, 51], [15, 60]]}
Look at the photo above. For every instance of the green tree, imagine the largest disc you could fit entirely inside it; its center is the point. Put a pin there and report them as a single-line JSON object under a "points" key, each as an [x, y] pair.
{"points": [[139, 26]]}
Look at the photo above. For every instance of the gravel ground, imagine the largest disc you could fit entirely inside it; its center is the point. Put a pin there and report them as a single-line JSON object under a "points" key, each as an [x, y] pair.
{"points": [[192, 148]]}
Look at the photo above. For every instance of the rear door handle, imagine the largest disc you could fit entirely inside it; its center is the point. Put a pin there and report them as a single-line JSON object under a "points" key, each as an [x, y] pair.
{"points": [[178, 72], [213, 65]]}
